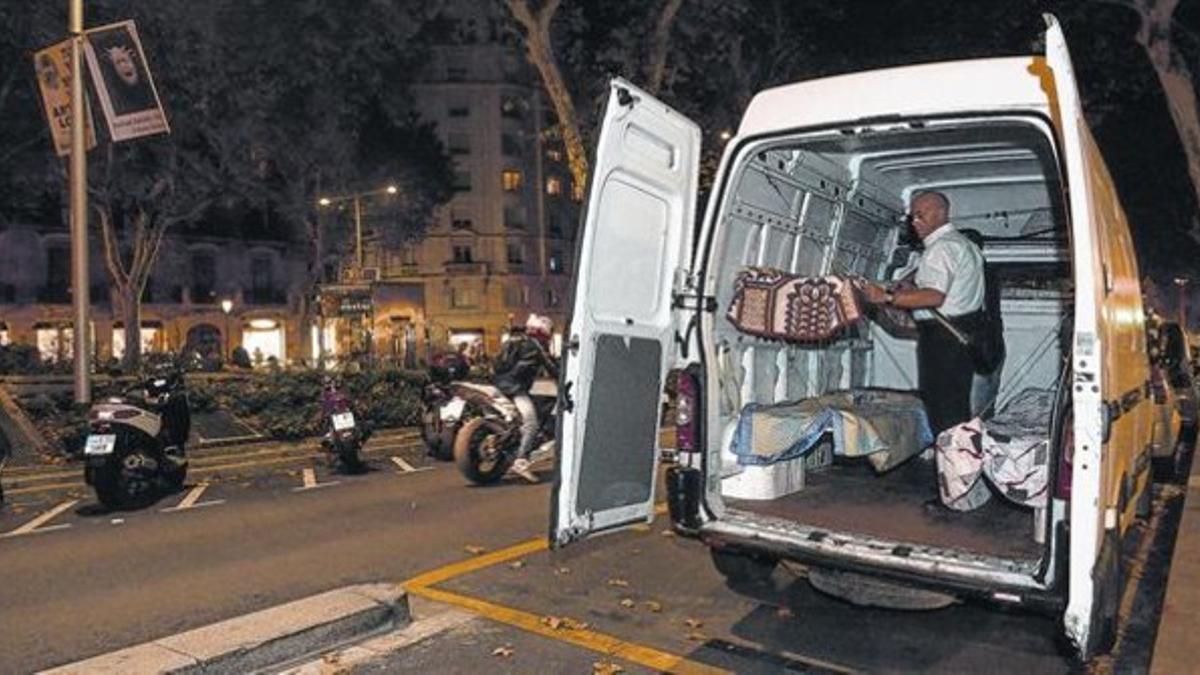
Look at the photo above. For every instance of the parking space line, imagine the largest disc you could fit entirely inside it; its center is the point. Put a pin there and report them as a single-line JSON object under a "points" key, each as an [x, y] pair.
{"points": [[422, 586], [405, 467], [35, 526], [310, 481], [190, 500]]}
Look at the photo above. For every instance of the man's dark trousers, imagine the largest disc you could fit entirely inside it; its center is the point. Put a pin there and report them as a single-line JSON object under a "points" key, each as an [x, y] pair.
{"points": [[944, 372]]}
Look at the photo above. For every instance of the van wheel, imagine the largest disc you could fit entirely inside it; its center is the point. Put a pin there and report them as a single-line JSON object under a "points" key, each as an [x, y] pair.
{"points": [[743, 568], [1102, 633]]}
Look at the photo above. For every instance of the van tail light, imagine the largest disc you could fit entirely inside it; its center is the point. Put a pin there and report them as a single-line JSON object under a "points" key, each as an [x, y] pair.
{"points": [[688, 410], [1066, 457]]}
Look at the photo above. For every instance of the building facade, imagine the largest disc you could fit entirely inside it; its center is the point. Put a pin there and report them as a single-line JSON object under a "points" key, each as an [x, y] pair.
{"points": [[499, 250], [194, 280]]}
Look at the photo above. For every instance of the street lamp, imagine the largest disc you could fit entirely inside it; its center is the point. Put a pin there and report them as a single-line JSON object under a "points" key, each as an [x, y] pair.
{"points": [[227, 307], [356, 199]]}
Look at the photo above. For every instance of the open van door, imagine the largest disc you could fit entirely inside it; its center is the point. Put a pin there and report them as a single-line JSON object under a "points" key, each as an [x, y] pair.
{"points": [[637, 232], [1086, 511]]}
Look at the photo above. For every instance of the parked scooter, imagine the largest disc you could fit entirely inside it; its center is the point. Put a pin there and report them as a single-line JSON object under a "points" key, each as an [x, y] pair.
{"points": [[345, 435], [443, 411], [136, 442], [487, 445]]}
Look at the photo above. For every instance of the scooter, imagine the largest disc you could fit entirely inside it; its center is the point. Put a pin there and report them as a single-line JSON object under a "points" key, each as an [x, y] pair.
{"points": [[136, 442], [443, 411], [487, 445], [346, 435]]}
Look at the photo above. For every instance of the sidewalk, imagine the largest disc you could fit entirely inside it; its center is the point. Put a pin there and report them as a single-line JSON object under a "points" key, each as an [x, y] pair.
{"points": [[1177, 646]]}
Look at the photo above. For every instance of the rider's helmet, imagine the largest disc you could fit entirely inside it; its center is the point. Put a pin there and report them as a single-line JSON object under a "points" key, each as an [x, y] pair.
{"points": [[539, 327]]}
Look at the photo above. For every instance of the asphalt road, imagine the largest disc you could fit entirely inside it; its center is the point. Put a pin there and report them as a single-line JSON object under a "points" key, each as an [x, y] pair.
{"points": [[256, 537]]}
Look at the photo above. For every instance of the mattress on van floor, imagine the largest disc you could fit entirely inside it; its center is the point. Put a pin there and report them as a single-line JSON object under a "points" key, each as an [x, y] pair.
{"points": [[887, 427], [1011, 451]]}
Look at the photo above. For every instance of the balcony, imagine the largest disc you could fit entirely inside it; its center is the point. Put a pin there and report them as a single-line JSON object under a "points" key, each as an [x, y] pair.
{"points": [[161, 295], [54, 295], [405, 270], [466, 269], [204, 295], [265, 296]]}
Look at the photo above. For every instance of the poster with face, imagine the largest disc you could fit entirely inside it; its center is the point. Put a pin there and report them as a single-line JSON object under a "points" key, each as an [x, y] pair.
{"points": [[53, 68], [123, 83]]}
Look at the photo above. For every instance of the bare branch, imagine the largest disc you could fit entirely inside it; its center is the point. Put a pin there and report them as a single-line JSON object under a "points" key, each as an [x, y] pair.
{"points": [[656, 69]]}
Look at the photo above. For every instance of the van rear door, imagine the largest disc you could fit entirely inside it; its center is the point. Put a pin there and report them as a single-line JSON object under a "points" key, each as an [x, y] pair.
{"points": [[637, 232], [1087, 503]]}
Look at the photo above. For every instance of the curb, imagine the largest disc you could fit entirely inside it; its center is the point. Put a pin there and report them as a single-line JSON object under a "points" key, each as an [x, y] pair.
{"points": [[265, 638]]}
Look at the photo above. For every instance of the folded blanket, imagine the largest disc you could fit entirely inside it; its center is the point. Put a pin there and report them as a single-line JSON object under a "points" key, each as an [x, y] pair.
{"points": [[887, 427], [771, 304]]}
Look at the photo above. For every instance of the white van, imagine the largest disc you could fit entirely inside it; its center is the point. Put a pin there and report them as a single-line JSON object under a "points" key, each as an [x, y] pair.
{"points": [[816, 182]]}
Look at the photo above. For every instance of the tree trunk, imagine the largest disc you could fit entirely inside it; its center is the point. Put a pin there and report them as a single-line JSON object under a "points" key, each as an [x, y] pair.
{"points": [[131, 316], [1175, 78], [656, 68], [540, 52]]}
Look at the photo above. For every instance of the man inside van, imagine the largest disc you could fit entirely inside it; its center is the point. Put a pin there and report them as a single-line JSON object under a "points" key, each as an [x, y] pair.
{"points": [[946, 297]]}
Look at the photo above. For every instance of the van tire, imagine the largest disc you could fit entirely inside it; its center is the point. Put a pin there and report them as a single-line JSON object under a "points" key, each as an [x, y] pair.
{"points": [[1106, 607], [743, 568]]}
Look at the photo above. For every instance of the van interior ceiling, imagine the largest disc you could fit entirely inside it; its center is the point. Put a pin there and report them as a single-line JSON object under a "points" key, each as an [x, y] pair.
{"points": [[833, 203]]}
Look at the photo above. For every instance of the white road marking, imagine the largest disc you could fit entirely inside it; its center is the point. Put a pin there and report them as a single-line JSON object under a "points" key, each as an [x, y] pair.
{"points": [[310, 481], [35, 526], [190, 500], [405, 467]]}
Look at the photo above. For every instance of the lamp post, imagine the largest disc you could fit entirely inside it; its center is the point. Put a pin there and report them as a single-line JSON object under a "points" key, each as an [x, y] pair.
{"points": [[356, 199], [227, 307], [78, 200], [1181, 283]]}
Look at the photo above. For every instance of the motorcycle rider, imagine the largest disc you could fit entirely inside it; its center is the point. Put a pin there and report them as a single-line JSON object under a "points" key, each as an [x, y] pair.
{"points": [[520, 360]]}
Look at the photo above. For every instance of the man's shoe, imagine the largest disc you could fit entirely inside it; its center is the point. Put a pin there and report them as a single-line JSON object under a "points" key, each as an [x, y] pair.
{"points": [[521, 468]]}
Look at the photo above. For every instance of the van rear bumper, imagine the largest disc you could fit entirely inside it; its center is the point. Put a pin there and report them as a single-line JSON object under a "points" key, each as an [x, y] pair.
{"points": [[997, 580]]}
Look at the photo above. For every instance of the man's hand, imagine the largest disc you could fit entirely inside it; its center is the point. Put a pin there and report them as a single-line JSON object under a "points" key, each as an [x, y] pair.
{"points": [[873, 293]]}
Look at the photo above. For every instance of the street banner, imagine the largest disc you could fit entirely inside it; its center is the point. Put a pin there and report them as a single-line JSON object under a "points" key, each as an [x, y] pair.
{"points": [[53, 68], [123, 83]]}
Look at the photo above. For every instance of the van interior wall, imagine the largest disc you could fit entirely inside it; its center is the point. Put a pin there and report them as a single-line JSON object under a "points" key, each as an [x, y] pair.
{"points": [[812, 213]]}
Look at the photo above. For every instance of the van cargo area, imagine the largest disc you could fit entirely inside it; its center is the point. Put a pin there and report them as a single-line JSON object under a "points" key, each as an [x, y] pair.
{"points": [[832, 202]]}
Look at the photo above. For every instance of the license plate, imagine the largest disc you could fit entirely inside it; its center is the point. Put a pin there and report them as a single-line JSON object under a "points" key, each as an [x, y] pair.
{"points": [[343, 421], [100, 444], [453, 409]]}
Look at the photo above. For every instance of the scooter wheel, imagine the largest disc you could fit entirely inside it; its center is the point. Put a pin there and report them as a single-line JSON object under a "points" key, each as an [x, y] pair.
{"points": [[477, 466]]}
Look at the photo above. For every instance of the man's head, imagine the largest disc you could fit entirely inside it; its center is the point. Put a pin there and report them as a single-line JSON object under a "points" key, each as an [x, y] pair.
{"points": [[539, 327], [930, 210], [123, 63]]}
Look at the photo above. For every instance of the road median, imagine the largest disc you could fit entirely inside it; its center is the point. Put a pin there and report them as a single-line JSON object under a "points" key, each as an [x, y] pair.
{"points": [[269, 637]]}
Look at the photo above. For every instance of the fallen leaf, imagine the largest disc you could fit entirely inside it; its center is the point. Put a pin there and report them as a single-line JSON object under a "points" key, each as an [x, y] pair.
{"points": [[668, 533], [563, 623], [621, 583], [693, 623], [504, 651], [517, 564], [474, 550], [553, 622], [606, 668], [784, 613], [562, 570], [627, 603], [641, 528], [653, 606], [697, 636]]}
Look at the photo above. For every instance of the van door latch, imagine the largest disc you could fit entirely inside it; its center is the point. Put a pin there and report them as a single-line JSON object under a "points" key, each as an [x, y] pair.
{"points": [[695, 302]]}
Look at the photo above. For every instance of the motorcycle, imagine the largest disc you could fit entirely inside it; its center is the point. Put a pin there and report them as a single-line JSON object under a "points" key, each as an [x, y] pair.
{"points": [[486, 445], [443, 411], [136, 441], [346, 436]]}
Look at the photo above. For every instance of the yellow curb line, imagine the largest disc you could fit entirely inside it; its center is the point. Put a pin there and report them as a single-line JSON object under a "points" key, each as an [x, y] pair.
{"points": [[421, 585]]}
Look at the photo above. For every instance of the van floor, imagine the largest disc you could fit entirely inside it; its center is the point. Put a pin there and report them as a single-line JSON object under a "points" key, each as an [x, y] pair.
{"points": [[850, 497]]}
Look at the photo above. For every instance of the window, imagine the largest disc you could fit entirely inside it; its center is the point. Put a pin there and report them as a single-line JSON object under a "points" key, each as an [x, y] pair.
{"points": [[514, 217], [459, 143], [462, 253], [204, 277], [552, 298], [555, 227], [458, 109], [456, 68], [516, 296], [260, 274], [510, 145], [461, 220], [516, 253], [58, 267], [556, 262], [510, 180], [512, 107], [463, 297], [408, 255], [462, 180], [554, 154], [554, 185]]}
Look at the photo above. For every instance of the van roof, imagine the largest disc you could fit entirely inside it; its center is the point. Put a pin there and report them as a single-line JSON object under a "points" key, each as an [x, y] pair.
{"points": [[997, 84]]}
